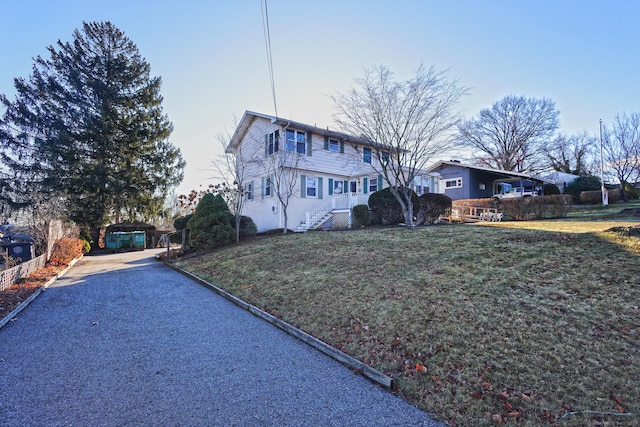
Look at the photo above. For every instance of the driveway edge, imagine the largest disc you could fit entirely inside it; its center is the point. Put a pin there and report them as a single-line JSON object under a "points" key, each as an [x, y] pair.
{"points": [[6, 319], [354, 364]]}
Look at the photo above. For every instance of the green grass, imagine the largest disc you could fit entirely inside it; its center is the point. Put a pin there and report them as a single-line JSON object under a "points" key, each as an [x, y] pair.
{"points": [[521, 320]]}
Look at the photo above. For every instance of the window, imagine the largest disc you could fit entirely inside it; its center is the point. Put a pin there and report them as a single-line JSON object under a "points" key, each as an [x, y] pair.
{"points": [[373, 184], [338, 186], [272, 142], [334, 145], [311, 187], [453, 183], [421, 185], [384, 157], [267, 186], [366, 155], [248, 191], [296, 141]]}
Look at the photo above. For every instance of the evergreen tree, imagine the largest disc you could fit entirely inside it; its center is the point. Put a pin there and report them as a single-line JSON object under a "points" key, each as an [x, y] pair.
{"points": [[87, 130], [211, 224]]}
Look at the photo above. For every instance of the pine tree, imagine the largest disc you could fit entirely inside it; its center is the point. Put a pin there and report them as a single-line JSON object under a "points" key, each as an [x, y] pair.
{"points": [[87, 130]]}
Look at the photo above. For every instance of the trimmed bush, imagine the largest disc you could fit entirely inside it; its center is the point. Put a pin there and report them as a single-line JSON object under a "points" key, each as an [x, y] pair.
{"points": [[247, 226], [595, 197], [432, 207], [386, 207], [66, 250], [210, 226], [580, 184], [87, 241], [361, 216], [550, 189], [521, 208]]}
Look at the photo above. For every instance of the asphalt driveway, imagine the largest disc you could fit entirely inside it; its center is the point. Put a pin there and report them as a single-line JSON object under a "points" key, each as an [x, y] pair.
{"points": [[122, 340]]}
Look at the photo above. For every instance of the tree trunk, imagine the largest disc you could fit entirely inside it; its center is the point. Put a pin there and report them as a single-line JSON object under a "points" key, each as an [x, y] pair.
{"points": [[286, 220]]}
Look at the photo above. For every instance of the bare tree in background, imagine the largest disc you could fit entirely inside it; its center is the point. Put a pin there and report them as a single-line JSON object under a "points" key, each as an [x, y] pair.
{"points": [[511, 134], [572, 154], [406, 123], [621, 149]]}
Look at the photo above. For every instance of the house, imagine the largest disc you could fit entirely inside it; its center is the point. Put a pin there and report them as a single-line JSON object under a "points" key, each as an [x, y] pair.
{"points": [[561, 179], [463, 181], [311, 175]]}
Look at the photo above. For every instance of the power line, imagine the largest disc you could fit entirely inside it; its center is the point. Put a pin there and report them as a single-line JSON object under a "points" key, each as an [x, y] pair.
{"points": [[267, 41]]}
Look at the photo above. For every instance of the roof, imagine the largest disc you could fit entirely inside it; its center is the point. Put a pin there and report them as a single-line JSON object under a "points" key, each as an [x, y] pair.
{"points": [[250, 116], [485, 169]]}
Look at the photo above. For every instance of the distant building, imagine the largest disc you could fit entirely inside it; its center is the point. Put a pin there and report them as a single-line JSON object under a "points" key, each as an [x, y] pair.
{"points": [[463, 181], [561, 179]]}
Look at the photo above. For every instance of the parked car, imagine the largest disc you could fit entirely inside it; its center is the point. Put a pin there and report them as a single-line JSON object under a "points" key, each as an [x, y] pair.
{"points": [[505, 190]]}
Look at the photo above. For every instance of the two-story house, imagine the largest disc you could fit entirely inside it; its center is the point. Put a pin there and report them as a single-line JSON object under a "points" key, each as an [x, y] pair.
{"points": [[313, 176]]}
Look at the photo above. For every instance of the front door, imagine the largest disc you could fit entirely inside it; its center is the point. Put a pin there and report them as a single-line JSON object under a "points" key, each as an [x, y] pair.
{"points": [[353, 186]]}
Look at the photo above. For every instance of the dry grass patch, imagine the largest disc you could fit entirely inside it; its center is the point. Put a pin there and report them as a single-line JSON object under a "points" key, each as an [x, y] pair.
{"points": [[477, 325]]}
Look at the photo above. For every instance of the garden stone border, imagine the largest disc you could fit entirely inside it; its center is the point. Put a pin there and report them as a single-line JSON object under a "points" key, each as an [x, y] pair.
{"points": [[357, 366]]}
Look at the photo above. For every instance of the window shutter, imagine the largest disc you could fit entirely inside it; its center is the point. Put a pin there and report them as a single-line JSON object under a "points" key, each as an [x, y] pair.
{"points": [[379, 182], [303, 186], [326, 142], [342, 146], [262, 188], [266, 145], [365, 185], [345, 187], [319, 189], [253, 190], [309, 143], [331, 186], [276, 140]]}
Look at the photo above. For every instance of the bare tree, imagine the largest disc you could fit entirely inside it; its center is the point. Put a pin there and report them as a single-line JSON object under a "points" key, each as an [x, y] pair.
{"points": [[510, 135], [232, 167], [621, 149], [282, 166], [406, 123], [571, 154]]}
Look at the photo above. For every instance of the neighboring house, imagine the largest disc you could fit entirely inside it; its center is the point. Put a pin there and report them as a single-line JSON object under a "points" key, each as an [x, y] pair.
{"points": [[561, 179], [328, 173], [463, 181]]}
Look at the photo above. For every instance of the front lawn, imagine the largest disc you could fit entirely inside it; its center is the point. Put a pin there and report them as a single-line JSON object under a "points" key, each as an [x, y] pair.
{"points": [[519, 323]]}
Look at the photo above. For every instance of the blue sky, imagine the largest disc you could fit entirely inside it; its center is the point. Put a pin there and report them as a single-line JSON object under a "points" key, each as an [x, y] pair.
{"points": [[212, 60]]}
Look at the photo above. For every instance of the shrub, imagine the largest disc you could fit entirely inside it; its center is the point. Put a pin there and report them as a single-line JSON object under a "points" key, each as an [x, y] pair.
{"points": [[554, 206], [385, 206], [210, 226], [180, 223], [87, 241], [631, 191], [432, 207], [247, 226], [550, 189], [580, 184], [66, 250], [361, 216], [595, 197]]}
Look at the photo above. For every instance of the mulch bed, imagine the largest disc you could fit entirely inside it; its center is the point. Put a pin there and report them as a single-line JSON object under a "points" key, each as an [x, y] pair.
{"points": [[13, 296]]}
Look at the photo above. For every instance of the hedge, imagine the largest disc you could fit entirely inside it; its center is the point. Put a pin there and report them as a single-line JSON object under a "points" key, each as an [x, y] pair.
{"points": [[522, 208]]}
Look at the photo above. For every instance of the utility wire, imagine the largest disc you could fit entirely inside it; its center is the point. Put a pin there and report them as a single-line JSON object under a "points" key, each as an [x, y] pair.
{"points": [[267, 42]]}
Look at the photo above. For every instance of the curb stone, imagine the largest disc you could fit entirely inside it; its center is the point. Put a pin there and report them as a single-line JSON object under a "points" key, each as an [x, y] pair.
{"points": [[9, 317], [357, 366]]}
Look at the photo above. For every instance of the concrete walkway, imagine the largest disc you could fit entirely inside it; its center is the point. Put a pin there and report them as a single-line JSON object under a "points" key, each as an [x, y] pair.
{"points": [[122, 340]]}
